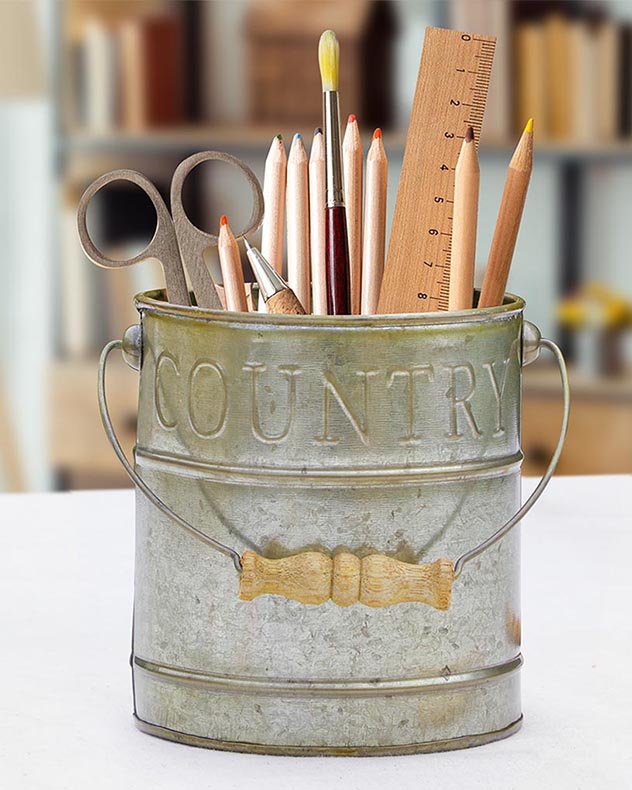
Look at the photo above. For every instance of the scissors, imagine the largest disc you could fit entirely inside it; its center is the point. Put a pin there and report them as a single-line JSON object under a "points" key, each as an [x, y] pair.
{"points": [[177, 243]]}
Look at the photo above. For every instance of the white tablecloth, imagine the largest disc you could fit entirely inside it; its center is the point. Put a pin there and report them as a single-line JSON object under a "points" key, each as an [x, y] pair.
{"points": [[65, 698]]}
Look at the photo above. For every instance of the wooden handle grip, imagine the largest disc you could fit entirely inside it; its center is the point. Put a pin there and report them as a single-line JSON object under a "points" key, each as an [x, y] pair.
{"points": [[313, 578], [337, 261], [285, 303]]}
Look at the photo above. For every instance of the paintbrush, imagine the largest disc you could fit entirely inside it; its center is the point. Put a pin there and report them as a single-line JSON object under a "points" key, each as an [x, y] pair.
{"points": [[336, 241]]}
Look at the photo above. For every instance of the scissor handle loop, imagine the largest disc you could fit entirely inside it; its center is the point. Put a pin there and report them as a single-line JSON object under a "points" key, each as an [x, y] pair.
{"points": [[191, 240], [163, 245], [190, 237], [164, 225]]}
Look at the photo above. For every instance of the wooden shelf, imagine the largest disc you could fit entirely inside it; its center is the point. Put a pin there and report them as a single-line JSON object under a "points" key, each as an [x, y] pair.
{"points": [[78, 449], [257, 139], [600, 422], [544, 380]]}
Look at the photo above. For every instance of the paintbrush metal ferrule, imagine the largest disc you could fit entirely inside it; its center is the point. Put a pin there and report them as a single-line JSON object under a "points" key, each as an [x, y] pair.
{"points": [[270, 283], [334, 193]]}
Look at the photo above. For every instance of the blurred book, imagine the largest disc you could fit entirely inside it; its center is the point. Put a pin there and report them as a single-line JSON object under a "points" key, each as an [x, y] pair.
{"points": [[122, 285], [583, 85], [530, 83], [152, 72], [491, 18], [118, 295], [130, 71], [558, 68], [625, 81], [284, 80], [608, 55], [100, 82], [570, 76], [77, 295]]}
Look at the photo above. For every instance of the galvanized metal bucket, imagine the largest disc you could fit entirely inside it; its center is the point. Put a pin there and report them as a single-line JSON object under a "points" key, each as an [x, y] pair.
{"points": [[281, 441]]}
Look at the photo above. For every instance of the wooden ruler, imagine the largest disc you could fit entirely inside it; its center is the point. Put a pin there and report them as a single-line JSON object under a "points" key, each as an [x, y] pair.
{"points": [[451, 94]]}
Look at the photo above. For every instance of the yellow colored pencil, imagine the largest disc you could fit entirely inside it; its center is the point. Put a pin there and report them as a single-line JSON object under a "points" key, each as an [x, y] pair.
{"points": [[508, 221]]}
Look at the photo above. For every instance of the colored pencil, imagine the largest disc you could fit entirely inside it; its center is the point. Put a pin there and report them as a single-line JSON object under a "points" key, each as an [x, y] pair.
{"points": [[462, 260], [352, 178], [374, 224], [297, 208], [274, 176], [230, 262], [508, 221], [317, 223]]}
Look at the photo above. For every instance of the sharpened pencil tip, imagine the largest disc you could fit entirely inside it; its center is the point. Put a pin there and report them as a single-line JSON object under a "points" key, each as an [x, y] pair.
{"points": [[279, 137], [247, 243], [297, 136], [529, 126], [469, 135], [317, 130], [223, 220], [377, 134], [351, 119]]}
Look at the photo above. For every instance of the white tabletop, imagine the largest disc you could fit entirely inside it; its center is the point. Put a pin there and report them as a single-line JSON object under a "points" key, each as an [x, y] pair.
{"points": [[65, 697]]}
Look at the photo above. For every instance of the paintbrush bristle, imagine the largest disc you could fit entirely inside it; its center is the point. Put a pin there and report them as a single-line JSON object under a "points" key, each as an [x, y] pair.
{"points": [[328, 59]]}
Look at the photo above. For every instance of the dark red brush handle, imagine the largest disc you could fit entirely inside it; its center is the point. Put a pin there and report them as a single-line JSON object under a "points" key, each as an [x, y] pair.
{"points": [[337, 261]]}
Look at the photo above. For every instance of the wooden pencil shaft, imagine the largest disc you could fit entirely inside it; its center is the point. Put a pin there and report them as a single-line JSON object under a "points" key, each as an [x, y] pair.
{"points": [[507, 223], [374, 227], [453, 75], [274, 179], [250, 299], [248, 292], [232, 275], [504, 239], [352, 173], [464, 224], [317, 225], [297, 197]]}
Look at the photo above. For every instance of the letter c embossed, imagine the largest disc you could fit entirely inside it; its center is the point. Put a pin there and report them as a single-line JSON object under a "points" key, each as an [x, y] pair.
{"points": [[162, 392]]}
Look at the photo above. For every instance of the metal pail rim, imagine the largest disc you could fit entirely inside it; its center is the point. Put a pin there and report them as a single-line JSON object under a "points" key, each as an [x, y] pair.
{"points": [[153, 303]]}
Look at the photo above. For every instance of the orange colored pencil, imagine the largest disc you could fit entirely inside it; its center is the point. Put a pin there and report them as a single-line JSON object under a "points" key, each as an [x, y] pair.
{"points": [[374, 224]]}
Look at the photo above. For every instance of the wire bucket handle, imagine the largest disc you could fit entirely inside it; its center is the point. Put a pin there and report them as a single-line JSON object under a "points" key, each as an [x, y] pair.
{"points": [[312, 577]]}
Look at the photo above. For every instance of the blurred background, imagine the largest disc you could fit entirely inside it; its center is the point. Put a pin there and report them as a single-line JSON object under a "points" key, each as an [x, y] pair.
{"points": [[91, 85]]}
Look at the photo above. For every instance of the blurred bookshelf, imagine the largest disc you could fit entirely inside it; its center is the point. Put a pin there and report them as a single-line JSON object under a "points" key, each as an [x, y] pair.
{"points": [[143, 84]]}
